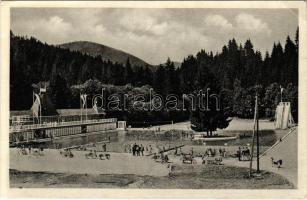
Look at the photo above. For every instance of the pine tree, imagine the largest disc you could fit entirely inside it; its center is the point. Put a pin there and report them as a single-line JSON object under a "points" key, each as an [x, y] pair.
{"points": [[290, 67], [297, 38], [159, 80], [276, 62], [171, 84], [128, 75]]}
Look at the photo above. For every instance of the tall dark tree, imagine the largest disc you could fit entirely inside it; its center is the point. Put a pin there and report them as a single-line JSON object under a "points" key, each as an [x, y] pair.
{"points": [[188, 72], [160, 80], [172, 80], [290, 65], [297, 38], [208, 120], [128, 75], [60, 93], [277, 61]]}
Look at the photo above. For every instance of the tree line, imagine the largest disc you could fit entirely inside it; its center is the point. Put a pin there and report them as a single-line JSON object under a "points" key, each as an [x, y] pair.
{"points": [[235, 73]]}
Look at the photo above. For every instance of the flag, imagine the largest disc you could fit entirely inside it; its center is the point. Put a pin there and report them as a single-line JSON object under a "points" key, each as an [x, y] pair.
{"points": [[281, 89], [95, 108], [36, 106], [83, 99]]}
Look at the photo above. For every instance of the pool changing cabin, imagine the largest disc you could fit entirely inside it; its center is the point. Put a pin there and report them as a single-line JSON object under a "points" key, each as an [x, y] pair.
{"points": [[40, 133]]}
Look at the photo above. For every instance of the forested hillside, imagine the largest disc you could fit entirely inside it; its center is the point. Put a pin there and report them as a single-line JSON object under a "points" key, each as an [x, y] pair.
{"points": [[235, 73], [106, 53]]}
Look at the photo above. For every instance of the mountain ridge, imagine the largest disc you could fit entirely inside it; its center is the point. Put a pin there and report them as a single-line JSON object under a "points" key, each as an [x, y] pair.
{"points": [[106, 52]]}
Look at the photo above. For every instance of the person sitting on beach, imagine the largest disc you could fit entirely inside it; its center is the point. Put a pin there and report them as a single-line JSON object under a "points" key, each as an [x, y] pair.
{"points": [[69, 154], [171, 171], [155, 156], [89, 155], [23, 151], [36, 152], [209, 152], [95, 154], [41, 151]]}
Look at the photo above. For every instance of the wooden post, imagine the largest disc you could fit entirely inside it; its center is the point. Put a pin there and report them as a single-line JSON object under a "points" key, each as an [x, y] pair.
{"points": [[257, 131], [253, 138]]}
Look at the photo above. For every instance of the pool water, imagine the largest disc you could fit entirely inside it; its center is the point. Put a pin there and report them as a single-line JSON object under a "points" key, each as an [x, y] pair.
{"points": [[119, 141]]}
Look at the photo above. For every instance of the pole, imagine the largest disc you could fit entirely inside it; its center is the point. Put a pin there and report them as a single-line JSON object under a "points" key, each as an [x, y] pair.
{"points": [[40, 113], [40, 108], [253, 138], [281, 91], [85, 107], [81, 108], [33, 97], [257, 131]]}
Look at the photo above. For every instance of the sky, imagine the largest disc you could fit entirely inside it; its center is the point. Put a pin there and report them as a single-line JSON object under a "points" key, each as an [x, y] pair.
{"points": [[156, 34]]}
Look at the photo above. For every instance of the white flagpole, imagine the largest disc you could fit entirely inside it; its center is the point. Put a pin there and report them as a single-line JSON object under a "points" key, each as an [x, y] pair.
{"points": [[33, 107], [40, 111], [85, 106], [81, 105]]}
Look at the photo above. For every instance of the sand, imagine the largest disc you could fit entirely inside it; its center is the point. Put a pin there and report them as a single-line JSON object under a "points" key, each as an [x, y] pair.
{"points": [[120, 163]]}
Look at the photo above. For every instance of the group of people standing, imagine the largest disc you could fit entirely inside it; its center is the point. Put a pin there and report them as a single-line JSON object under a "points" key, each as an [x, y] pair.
{"points": [[243, 153], [138, 150]]}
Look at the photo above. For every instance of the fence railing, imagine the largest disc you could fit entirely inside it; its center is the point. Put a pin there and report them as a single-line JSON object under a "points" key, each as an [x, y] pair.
{"points": [[18, 128], [24, 119]]}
